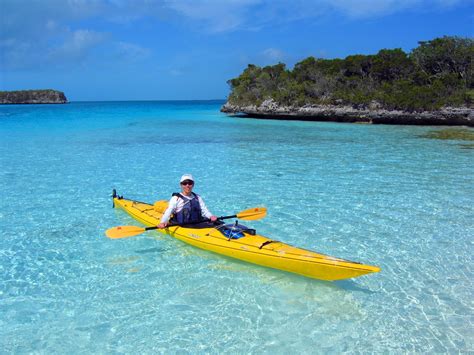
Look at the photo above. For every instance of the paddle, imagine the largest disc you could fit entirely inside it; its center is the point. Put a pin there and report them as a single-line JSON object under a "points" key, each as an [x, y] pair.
{"points": [[251, 214]]}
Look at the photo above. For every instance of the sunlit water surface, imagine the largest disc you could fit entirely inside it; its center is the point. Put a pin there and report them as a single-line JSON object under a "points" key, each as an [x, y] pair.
{"points": [[382, 195]]}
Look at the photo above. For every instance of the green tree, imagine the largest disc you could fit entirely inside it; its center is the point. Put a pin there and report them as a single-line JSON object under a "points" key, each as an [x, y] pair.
{"points": [[446, 55], [391, 64], [437, 73]]}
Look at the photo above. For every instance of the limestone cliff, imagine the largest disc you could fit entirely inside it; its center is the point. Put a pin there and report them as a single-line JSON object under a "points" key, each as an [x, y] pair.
{"points": [[342, 113], [32, 97]]}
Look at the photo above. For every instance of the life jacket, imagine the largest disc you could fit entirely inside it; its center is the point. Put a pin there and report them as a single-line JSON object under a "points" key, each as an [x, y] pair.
{"points": [[191, 212]]}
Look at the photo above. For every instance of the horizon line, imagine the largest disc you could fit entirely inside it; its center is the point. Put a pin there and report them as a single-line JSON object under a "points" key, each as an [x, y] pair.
{"points": [[146, 100]]}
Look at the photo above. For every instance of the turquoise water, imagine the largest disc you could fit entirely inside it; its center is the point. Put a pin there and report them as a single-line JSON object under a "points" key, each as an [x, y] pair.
{"points": [[381, 195]]}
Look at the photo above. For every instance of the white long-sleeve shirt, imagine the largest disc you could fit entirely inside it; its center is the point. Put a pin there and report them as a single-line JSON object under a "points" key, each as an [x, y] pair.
{"points": [[176, 204]]}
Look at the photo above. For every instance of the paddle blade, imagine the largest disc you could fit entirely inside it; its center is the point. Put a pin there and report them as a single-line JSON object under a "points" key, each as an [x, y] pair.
{"points": [[252, 214], [160, 206], [123, 232]]}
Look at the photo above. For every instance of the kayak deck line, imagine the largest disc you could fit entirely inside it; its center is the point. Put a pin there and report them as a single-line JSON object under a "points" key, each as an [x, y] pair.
{"points": [[238, 241], [255, 249], [278, 256], [323, 257]]}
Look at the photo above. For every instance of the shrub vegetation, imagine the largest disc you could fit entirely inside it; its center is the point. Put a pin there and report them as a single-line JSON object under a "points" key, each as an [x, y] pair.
{"points": [[437, 73]]}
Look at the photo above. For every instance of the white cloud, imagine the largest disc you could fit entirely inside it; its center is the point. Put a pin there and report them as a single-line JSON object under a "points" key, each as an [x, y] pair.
{"points": [[212, 16], [78, 44], [273, 55], [131, 51], [176, 72], [378, 8], [56, 27], [215, 15], [370, 8], [51, 25], [225, 16], [15, 53]]}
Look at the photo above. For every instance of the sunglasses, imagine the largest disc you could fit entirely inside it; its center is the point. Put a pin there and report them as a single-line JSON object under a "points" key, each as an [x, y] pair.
{"points": [[188, 182]]}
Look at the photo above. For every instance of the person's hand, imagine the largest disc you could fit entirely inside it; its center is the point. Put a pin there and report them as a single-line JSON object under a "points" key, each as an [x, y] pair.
{"points": [[163, 225], [213, 218]]}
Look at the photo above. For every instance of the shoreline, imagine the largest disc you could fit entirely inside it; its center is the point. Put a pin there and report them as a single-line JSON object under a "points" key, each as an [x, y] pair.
{"points": [[449, 116]]}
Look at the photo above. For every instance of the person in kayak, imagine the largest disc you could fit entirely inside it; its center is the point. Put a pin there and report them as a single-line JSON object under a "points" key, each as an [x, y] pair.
{"points": [[186, 207]]}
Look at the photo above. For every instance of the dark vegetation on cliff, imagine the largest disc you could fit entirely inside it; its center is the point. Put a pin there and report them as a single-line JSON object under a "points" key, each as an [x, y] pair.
{"points": [[46, 96], [438, 73]]}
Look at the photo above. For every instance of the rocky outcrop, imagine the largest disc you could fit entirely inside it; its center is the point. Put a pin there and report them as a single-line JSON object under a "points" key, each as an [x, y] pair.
{"points": [[455, 116], [32, 97]]}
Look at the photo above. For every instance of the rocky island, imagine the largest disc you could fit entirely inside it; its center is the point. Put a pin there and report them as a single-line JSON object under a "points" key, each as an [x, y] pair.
{"points": [[453, 116], [32, 97], [432, 85]]}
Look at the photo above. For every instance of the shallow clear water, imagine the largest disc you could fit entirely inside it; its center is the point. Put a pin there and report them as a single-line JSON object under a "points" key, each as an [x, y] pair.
{"points": [[381, 195]]}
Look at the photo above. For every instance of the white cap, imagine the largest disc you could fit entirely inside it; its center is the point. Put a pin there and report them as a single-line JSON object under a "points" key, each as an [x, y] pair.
{"points": [[186, 177]]}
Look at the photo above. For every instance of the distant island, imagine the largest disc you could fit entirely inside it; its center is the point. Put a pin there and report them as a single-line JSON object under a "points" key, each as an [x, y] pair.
{"points": [[32, 97], [431, 85]]}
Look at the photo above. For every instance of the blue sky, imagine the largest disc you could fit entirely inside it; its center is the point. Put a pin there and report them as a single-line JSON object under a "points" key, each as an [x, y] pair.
{"points": [[184, 49]]}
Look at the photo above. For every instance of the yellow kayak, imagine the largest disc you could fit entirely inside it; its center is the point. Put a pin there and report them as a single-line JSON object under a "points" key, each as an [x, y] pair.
{"points": [[245, 244]]}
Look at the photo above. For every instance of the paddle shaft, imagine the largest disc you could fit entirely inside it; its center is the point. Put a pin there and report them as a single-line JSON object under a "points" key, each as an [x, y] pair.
{"points": [[227, 217], [204, 220], [129, 231]]}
